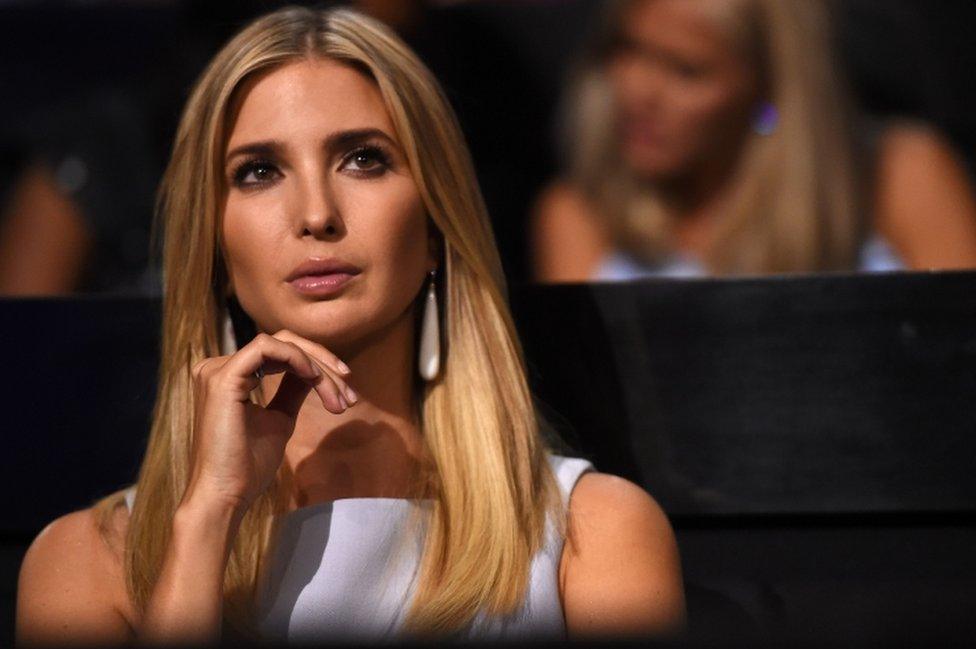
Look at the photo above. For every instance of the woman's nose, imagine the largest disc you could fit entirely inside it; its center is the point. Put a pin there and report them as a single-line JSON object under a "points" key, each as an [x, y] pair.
{"points": [[319, 214], [648, 81], [639, 80]]}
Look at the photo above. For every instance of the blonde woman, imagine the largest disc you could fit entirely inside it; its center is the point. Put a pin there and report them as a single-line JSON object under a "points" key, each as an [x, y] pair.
{"points": [[714, 137], [370, 464]]}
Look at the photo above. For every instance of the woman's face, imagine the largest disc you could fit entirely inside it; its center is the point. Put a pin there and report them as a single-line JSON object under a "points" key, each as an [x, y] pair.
{"points": [[315, 172], [684, 92]]}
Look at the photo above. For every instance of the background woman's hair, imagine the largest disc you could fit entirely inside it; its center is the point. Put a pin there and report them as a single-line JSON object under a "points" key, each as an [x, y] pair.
{"points": [[488, 473], [796, 204]]}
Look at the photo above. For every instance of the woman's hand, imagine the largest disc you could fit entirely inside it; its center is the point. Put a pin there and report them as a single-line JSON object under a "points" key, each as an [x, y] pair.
{"points": [[238, 446]]}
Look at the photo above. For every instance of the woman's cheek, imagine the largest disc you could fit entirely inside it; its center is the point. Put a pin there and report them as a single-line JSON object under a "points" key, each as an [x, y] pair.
{"points": [[252, 242], [403, 219], [406, 247]]}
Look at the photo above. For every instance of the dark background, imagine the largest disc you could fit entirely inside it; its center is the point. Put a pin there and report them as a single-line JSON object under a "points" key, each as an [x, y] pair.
{"points": [[106, 80]]}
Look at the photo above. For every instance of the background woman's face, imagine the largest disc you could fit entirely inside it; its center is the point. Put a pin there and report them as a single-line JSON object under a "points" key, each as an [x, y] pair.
{"points": [[684, 92], [314, 170]]}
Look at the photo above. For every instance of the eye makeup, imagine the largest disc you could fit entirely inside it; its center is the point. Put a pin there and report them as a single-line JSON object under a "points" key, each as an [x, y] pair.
{"points": [[261, 168], [367, 160], [364, 153]]}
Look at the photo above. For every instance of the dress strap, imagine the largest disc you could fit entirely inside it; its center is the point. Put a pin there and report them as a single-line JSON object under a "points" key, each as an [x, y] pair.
{"points": [[568, 471], [130, 497]]}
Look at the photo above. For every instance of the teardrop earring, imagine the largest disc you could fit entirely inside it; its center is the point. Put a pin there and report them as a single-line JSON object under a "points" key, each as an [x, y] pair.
{"points": [[429, 361], [237, 327], [228, 344]]}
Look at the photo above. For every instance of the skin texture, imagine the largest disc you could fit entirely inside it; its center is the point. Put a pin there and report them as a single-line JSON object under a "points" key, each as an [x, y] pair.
{"points": [[568, 239], [620, 574], [307, 197], [684, 92], [926, 206], [44, 241]]}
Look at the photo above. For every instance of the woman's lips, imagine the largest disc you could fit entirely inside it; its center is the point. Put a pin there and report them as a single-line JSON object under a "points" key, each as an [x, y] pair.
{"points": [[642, 133], [321, 285]]}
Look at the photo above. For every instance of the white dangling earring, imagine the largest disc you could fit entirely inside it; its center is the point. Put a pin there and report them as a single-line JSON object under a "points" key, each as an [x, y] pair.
{"points": [[228, 343], [429, 361]]}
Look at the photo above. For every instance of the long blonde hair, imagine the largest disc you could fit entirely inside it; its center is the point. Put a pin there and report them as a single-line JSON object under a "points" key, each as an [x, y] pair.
{"points": [[796, 204], [493, 488]]}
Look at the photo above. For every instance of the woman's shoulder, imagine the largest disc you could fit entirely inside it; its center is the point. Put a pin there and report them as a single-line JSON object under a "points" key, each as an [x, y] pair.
{"points": [[915, 152], [71, 584], [568, 237], [925, 203], [588, 491], [621, 570], [563, 205], [903, 135], [562, 194], [606, 498]]}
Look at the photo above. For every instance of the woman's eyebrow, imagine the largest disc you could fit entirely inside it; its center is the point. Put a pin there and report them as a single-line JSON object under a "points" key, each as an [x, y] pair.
{"points": [[337, 140], [266, 148], [344, 139]]}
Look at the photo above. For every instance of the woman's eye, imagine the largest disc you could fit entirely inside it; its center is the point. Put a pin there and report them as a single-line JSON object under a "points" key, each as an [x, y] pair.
{"points": [[255, 173], [367, 159]]}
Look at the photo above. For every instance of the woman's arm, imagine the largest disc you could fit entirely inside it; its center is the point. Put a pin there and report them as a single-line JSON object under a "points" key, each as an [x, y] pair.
{"points": [[44, 241], [925, 205], [620, 573], [71, 588], [186, 606], [72, 591], [567, 241]]}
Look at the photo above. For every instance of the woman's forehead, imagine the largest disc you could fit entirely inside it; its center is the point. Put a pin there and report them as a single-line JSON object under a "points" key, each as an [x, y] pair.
{"points": [[307, 100]]}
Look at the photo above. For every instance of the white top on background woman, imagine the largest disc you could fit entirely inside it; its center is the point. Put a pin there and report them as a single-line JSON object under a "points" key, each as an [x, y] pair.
{"points": [[319, 181]]}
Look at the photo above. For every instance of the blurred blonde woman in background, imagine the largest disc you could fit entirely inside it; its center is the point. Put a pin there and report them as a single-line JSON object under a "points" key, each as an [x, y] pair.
{"points": [[369, 465], [716, 137]]}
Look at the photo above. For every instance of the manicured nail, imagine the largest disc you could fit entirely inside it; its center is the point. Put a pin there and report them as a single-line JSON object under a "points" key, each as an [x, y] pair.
{"points": [[342, 402], [351, 396], [343, 367]]}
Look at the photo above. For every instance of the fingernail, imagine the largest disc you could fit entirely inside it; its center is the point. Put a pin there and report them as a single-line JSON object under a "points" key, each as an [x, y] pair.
{"points": [[343, 367], [317, 369], [350, 395], [342, 402]]}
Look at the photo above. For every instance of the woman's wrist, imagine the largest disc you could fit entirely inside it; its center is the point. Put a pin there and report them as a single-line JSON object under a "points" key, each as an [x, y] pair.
{"points": [[201, 523], [187, 604]]}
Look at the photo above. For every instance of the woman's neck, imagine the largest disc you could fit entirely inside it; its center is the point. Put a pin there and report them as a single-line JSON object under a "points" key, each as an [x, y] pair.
{"points": [[372, 449], [695, 203]]}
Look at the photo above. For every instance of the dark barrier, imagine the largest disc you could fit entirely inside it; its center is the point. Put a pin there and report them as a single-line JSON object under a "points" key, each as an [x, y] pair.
{"points": [[811, 438], [816, 395]]}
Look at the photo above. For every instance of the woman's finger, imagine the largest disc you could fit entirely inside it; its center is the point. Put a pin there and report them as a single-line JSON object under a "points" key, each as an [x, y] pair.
{"points": [[324, 357], [319, 351], [329, 392], [283, 359], [272, 356]]}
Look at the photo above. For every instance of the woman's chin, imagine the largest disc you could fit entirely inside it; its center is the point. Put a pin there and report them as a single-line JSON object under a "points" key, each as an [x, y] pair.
{"points": [[651, 164]]}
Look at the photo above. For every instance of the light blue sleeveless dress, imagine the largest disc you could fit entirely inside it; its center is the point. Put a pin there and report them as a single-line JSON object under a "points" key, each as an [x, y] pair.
{"points": [[347, 569], [876, 256]]}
